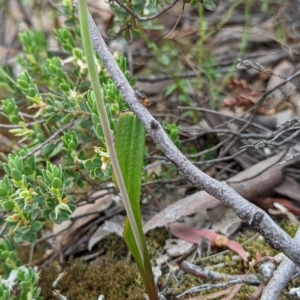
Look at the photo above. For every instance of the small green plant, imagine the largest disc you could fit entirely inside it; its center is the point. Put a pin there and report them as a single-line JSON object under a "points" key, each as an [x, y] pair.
{"points": [[173, 132], [127, 161]]}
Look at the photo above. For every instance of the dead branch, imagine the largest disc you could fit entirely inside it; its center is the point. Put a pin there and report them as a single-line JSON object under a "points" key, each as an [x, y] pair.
{"points": [[281, 277], [215, 276]]}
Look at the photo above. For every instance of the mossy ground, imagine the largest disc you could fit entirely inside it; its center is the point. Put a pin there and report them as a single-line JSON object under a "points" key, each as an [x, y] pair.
{"points": [[116, 276], [112, 275]]}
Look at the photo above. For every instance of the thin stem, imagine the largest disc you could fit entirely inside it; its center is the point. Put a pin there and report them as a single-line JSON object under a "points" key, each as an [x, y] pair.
{"points": [[243, 44], [87, 42]]}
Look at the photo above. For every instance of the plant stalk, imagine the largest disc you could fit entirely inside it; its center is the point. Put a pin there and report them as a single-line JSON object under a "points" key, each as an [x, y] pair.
{"points": [[89, 52]]}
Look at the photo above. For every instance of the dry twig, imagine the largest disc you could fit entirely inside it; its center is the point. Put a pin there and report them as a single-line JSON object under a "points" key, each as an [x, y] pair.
{"points": [[281, 277]]}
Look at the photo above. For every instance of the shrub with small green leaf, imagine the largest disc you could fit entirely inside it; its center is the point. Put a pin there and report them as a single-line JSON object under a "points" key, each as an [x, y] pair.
{"points": [[55, 115], [16, 279]]}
